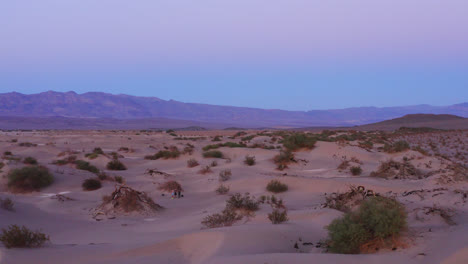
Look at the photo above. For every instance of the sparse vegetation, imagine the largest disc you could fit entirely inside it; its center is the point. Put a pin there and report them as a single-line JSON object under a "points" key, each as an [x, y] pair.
{"points": [[91, 184], [283, 159], [377, 223], [22, 237], [30, 161], [225, 218], [27, 144], [239, 202], [84, 165], [169, 186], [192, 163], [116, 165], [172, 153], [356, 170], [213, 154], [6, 204], [28, 179], [278, 216], [276, 186], [298, 141], [398, 146], [225, 175], [119, 179], [205, 170], [397, 170], [222, 189], [249, 160]]}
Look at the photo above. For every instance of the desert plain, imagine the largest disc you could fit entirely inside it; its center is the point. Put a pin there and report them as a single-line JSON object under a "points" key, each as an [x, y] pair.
{"points": [[430, 179]]}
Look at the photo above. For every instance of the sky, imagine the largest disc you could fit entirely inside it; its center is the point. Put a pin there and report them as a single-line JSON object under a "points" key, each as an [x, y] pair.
{"points": [[292, 55]]}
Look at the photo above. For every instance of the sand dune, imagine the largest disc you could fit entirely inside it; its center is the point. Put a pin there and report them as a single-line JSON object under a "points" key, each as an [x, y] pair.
{"points": [[176, 235]]}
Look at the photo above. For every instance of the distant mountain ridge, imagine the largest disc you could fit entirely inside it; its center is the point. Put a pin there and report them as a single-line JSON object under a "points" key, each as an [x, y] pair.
{"points": [[442, 121], [127, 107]]}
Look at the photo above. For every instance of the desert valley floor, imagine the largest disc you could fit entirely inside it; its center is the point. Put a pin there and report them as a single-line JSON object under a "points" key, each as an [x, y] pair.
{"points": [[431, 182]]}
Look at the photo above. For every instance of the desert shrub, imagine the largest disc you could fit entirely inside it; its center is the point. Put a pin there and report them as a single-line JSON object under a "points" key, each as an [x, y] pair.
{"points": [[169, 186], [249, 160], [398, 146], [213, 154], [118, 179], [188, 149], [205, 170], [172, 153], [298, 141], [192, 163], [210, 147], [278, 216], [225, 175], [222, 189], [377, 222], [29, 178], [214, 163], [115, 165], [225, 218], [30, 160], [91, 184], [7, 153], [6, 204], [276, 186], [246, 202], [283, 159], [98, 151], [234, 145], [22, 237], [91, 155], [216, 138], [124, 149], [421, 150], [27, 144], [397, 170], [84, 165], [355, 170], [1, 165], [68, 160], [343, 165]]}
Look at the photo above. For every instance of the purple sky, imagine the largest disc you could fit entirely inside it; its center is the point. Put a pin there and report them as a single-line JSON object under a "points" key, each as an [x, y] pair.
{"points": [[188, 50]]}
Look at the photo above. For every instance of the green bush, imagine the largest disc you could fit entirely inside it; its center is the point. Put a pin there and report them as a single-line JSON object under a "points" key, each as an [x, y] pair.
{"points": [[84, 165], [377, 221], [91, 184], [7, 153], [172, 153], [22, 237], [115, 165], [278, 216], [213, 154], [30, 161], [298, 141], [355, 170], [29, 178], [249, 160], [276, 186]]}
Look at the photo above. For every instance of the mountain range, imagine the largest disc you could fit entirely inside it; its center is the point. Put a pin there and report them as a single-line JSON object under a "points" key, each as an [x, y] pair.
{"points": [[127, 108]]}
